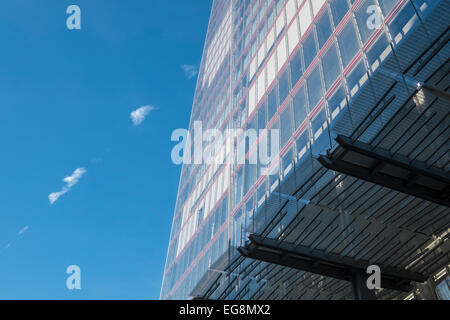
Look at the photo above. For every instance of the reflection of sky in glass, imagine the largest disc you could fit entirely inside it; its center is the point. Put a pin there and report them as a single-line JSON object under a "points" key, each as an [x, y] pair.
{"points": [[443, 289]]}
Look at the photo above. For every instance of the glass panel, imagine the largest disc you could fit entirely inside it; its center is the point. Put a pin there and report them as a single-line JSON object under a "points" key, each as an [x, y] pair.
{"points": [[330, 64], [339, 9], [423, 6], [314, 88], [367, 23], [303, 144], [348, 43], [272, 104], [284, 85], [299, 105], [304, 17], [388, 5], [356, 78], [443, 289], [250, 175], [309, 49], [287, 164], [337, 102], [403, 22], [286, 125], [320, 132], [374, 52], [296, 67], [262, 116], [323, 28], [239, 185], [253, 123]]}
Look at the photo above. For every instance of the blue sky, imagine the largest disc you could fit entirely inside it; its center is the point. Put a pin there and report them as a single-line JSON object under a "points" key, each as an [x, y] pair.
{"points": [[65, 101]]}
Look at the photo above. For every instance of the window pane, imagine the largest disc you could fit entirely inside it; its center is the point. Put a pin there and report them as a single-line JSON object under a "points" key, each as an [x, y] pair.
{"points": [[319, 123], [299, 105], [376, 50], [398, 25], [261, 191], [284, 85], [262, 116], [275, 126], [303, 144], [423, 6], [305, 17], [339, 9], [309, 49], [239, 186], [320, 132], [443, 289], [296, 67], [323, 29], [250, 176], [286, 125], [330, 65], [356, 78], [388, 5], [337, 102], [314, 88], [272, 103], [348, 43], [253, 122], [287, 162], [362, 16]]}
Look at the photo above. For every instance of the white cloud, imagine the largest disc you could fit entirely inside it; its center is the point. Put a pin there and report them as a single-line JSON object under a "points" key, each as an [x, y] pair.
{"points": [[70, 182], [25, 229], [138, 116], [75, 177], [190, 71], [53, 197]]}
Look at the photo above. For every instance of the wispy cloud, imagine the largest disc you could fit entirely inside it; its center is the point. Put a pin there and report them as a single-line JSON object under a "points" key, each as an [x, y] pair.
{"points": [[25, 229], [70, 182], [190, 71], [138, 116], [19, 234]]}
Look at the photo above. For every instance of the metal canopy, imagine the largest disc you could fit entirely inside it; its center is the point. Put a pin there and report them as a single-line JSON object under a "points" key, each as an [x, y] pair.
{"points": [[396, 172], [326, 264]]}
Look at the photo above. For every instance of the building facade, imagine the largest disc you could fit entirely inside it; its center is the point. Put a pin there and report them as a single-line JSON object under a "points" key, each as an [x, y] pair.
{"points": [[313, 70]]}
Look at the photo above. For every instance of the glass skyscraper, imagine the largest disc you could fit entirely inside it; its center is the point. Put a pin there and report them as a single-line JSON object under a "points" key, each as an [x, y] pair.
{"points": [[312, 69]]}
